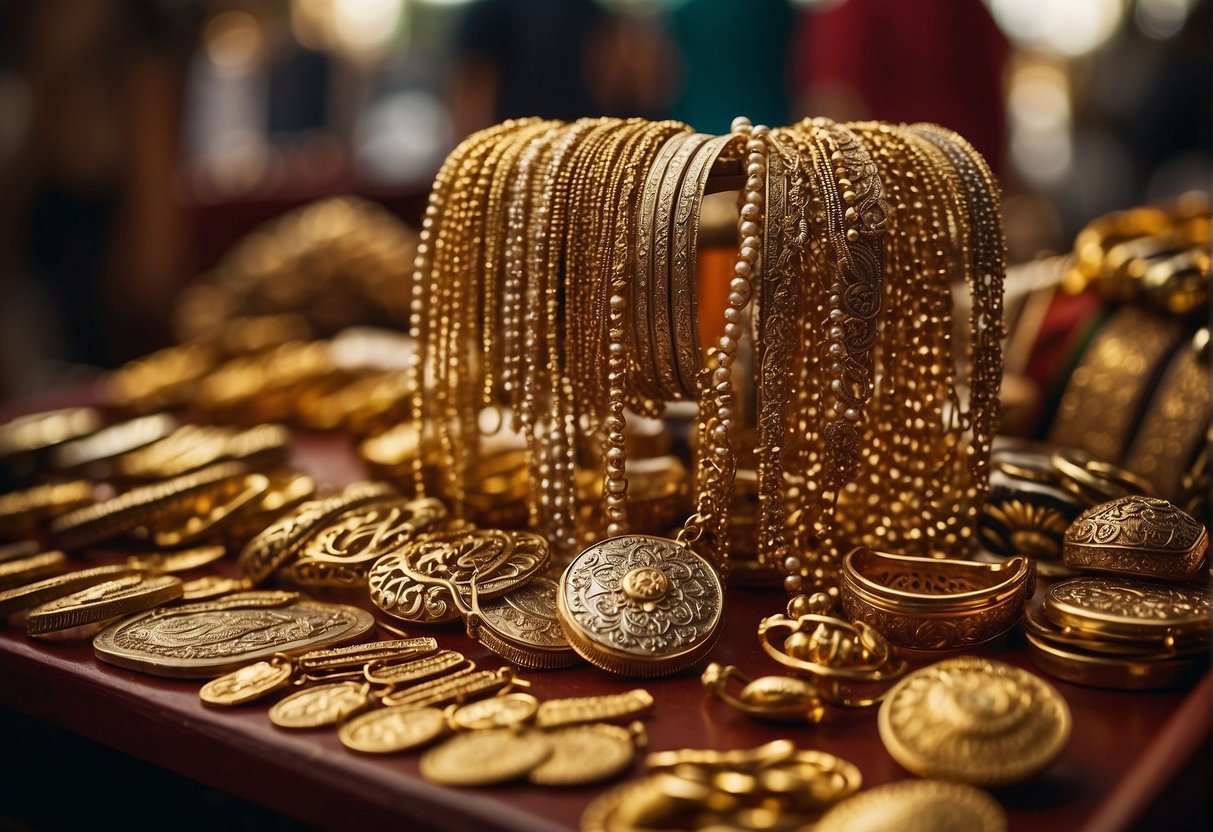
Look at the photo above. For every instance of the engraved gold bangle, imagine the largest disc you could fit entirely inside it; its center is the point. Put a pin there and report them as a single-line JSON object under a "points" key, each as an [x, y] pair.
{"points": [[934, 604], [1111, 384]]}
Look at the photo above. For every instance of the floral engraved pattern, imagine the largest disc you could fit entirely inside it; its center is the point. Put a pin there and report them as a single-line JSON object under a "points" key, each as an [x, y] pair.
{"points": [[1139, 523], [528, 614], [675, 622], [1133, 600]]}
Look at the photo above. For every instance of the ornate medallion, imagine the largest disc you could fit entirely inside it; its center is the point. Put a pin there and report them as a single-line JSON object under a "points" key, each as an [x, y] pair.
{"points": [[392, 730], [522, 627], [321, 706], [482, 758], [495, 712], [210, 638], [1125, 608], [248, 684], [500, 561], [640, 605], [583, 754], [101, 602], [916, 806], [974, 721], [1137, 536], [366, 533]]}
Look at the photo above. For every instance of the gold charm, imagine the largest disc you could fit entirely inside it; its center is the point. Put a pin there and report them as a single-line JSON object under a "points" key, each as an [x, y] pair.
{"points": [[500, 561], [403, 674], [100, 603], [161, 563], [321, 706], [584, 754], [1137, 536], [555, 713], [23, 570], [484, 758], [210, 638], [916, 804], [317, 663], [640, 606], [392, 730], [783, 698], [249, 683], [495, 712], [28, 596], [1122, 608], [974, 721]]}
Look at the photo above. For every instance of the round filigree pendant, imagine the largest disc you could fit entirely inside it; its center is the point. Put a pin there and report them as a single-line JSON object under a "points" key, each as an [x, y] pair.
{"points": [[641, 606]]}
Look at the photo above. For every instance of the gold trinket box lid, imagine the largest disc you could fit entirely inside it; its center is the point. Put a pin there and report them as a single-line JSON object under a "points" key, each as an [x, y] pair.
{"points": [[640, 606], [1142, 536], [1124, 608]]}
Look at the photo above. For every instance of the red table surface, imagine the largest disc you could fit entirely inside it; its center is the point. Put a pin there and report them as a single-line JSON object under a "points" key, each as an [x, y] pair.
{"points": [[1126, 747]]}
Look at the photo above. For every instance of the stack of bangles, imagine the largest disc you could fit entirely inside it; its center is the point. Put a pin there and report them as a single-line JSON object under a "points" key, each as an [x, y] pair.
{"points": [[935, 604]]}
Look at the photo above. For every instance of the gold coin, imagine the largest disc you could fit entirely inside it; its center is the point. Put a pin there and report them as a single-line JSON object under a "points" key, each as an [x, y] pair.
{"points": [[22, 511], [212, 586], [173, 562], [392, 730], [32, 595], [974, 720], [640, 606], [495, 712], [20, 549], [1130, 609], [247, 684], [321, 706], [121, 596], [40, 431], [23, 570], [916, 806], [483, 758], [523, 629], [500, 560], [209, 638], [1137, 536], [583, 754], [94, 453]]}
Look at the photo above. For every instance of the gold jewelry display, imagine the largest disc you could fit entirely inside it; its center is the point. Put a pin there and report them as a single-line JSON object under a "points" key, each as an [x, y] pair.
{"points": [[212, 638], [935, 604], [975, 721], [910, 804], [70, 615], [213, 515], [38, 433], [458, 687], [192, 447], [1137, 536]]}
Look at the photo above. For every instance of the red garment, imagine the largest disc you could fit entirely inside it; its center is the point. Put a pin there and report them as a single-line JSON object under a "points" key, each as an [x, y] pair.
{"points": [[912, 60]]}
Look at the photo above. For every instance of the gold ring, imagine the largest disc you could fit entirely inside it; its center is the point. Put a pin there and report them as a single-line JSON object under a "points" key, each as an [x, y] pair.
{"points": [[935, 604]]}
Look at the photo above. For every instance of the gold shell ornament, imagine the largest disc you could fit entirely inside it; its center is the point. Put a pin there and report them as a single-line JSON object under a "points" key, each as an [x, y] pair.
{"points": [[640, 606], [974, 720]]}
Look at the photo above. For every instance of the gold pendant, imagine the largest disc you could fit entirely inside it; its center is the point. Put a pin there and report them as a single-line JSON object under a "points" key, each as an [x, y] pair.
{"points": [[321, 706], [210, 638], [640, 606], [500, 561], [484, 758], [975, 721], [392, 730]]}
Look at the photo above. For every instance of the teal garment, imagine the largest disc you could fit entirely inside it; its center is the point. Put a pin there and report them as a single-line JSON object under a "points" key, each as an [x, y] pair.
{"points": [[736, 61]]}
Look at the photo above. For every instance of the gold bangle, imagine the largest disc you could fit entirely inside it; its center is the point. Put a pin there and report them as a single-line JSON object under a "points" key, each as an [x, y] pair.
{"points": [[1112, 382], [1094, 481], [1137, 536], [933, 604], [1176, 420]]}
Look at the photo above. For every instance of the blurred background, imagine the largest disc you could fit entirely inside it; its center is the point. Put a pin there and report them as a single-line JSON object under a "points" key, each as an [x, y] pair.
{"points": [[141, 139]]}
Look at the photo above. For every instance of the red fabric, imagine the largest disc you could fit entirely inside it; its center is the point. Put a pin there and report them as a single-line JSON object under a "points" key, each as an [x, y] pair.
{"points": [[929, 60]]}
